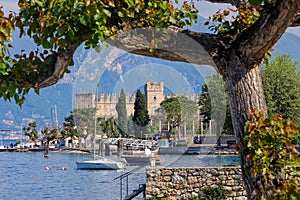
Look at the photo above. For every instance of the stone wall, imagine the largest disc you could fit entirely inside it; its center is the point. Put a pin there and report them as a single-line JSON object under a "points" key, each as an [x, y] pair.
{"points": [[185, 183]]}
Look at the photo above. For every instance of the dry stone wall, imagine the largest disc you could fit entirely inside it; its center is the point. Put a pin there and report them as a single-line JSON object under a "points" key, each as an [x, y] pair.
{"points": [[186, 183]]}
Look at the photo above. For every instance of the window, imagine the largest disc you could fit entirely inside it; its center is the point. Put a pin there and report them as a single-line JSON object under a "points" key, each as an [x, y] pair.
{"points": [[154, 98]]}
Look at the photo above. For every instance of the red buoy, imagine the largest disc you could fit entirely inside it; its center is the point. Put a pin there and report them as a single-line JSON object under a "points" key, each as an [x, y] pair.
{"points": [[63, 168]]}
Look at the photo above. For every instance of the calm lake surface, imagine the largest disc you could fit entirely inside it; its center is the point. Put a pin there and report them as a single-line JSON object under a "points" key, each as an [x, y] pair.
{"points": [[23, 176]]}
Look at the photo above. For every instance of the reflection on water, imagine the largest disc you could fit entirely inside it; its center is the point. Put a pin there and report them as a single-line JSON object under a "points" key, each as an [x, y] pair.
{"points": [[23, 176]]}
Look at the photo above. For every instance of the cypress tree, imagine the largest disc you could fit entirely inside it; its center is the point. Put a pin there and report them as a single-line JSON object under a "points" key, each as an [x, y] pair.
{"points": [[141, 117], [122, 113]]}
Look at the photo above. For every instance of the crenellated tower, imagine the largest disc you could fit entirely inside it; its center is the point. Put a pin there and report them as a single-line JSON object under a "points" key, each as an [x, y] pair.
{"points": [[154, 95], [106, 104], [85, 100]]}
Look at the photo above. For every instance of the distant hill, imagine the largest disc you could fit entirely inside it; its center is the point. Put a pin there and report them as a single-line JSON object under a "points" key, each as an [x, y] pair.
{"points": [[288, 44], [178, 78]]}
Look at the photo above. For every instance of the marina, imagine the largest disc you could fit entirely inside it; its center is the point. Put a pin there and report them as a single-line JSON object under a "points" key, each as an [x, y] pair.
{"points": [[23, 175]]}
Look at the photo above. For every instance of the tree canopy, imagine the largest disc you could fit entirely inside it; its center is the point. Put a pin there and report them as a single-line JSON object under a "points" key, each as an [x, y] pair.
{"points": [[281, 82], [59, 27], [237, 48], [122, 113], [214, 104], [140, 117], [31, 131], [178, 110]]}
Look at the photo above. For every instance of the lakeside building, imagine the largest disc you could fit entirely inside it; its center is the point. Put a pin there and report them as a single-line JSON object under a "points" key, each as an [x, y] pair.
{"points": [[106, 104]]}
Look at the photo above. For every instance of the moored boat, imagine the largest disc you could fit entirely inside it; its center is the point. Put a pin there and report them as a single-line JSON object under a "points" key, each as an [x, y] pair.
{"points": [[100, 163]]}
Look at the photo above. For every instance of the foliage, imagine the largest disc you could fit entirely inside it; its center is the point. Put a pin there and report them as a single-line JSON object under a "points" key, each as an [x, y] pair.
{"points": [[140, 116], [57, 25], [49, 134], [281, 83], [6, 28], [110, 127], [214, 101], [215, 193], [84, 119], [122, 112], [204, 102], [69, 127], [260, 2], [31, 131], [245, 17], [54, 24], [130, 125], [269, 146], [9, 87], [189, 111], [176, 110], [172, 109]]}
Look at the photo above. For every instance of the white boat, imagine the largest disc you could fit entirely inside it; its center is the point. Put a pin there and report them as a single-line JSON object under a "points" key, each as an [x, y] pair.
{"points": [[148, 158], [100, 163]]}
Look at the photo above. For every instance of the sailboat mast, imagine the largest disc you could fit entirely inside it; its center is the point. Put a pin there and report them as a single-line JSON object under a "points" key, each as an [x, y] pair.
{"points": [[95, 123], [94, 137]]}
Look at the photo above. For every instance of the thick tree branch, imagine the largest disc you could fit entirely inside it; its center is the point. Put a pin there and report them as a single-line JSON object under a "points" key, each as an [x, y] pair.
{"points": [[296, 21], [172, 44], [63, 60], [177, 44], [252, 44]]}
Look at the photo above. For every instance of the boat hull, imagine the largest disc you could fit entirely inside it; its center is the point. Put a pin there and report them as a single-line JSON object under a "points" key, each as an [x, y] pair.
{"points": [[142, 159], [99, 165]]}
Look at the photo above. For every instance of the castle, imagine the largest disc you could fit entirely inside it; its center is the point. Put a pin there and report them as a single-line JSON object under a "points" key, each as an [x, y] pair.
{"points": [[106, 104]]}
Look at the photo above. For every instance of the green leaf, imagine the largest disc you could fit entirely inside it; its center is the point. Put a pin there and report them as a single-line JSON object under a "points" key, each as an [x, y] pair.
{"points": [[255, 2], [47, 44], [164, 5], [98, 48], [71, 35], [120, 14], [131, 14], [82, 20], [3, 68], [37, 91], [107, 12], [172, 20]]}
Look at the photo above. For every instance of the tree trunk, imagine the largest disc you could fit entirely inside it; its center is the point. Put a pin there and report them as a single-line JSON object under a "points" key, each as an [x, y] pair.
{"points": [[245, 92]]}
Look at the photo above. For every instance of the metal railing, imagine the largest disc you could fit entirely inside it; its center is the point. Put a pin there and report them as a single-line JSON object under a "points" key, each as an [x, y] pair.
{"points": [[125, 176]]}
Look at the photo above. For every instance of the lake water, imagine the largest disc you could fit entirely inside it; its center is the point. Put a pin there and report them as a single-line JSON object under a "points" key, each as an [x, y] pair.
{"points": [[23, 176]]}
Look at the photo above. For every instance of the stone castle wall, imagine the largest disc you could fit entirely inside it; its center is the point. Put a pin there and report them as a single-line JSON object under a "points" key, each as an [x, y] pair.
{"points": [[85, 100], [106, 104]]}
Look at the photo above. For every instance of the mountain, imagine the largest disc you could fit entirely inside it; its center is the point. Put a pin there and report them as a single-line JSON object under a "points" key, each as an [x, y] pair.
{"points": [[108, 72], [288, 44]]}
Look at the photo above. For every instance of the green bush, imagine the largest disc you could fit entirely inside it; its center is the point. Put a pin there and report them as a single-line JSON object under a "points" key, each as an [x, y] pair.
{"points": [[270, 147], [215, 193]]}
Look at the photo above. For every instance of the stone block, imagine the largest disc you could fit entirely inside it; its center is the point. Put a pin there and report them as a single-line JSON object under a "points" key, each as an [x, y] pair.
{"points": [[166, 172], [167, 178]]}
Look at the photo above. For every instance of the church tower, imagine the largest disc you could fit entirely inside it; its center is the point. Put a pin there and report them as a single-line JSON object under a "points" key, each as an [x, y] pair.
{"points": [[154, 95]]}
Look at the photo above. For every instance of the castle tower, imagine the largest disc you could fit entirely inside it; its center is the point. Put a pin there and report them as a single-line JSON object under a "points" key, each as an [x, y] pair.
{"points": [[154, 95], [85, 100]]}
